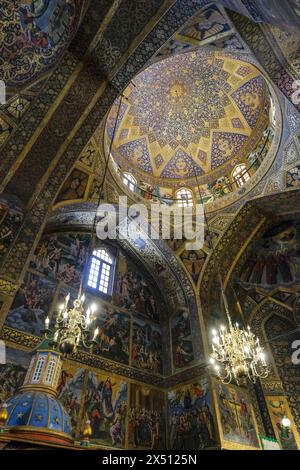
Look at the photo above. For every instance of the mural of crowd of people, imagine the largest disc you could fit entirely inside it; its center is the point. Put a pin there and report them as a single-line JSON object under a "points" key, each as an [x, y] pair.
{"points": [[62, 257], [182, 345], [31, 304], [236, 416], [106, 408], [55, 271], [13, 372], [146, 422], [69, 392], [190, 418], [277, 259], [146, 352], [114, 334], [133, 291]]}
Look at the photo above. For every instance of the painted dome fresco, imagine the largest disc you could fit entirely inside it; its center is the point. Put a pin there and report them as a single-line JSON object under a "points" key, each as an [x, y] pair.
{"points": [[195, 114], [33, 35]]}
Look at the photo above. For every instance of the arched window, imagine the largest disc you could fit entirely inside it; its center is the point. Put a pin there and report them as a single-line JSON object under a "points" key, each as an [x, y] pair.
{"points": [[50, 371], [39, 369], [129, 181], [240, 175], [184, 197], [101, 271]]}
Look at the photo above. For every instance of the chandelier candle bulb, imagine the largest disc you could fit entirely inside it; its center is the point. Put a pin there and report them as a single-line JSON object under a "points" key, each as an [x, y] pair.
{"points": [[96, 334], [286, 422], [93, 308]]}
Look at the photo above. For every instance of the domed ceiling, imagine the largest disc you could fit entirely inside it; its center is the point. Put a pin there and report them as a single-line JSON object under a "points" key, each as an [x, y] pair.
{"points": [[33, 35], [194, 114]]}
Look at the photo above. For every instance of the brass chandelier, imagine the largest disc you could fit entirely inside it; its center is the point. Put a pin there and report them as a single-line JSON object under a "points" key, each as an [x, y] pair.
{"points": [[237, 353], [72, 326]]}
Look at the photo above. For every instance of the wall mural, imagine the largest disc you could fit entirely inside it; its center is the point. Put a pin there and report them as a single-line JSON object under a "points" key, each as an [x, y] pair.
{"points": [[278, 409], [133, 291], [182, 343], [194, 262], [210, 23], [146, 420], [61, 257], [114, 334], [146, 350], [207, 26], [55, 271], [276, 261], [31, 304], [190, 417], [293, 177], [282, 351], [12, 373], [235, 416], [69, 392], [34, 34], [106, 408], [74, 187]]}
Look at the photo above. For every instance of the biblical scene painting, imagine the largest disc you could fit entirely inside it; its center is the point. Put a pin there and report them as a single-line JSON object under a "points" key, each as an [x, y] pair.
{"points": [[31, 304], [74, 186], [12, 373], [286, 436], [34, 33], [146, 352], [277, 260], [210, 23], [182, 345], [106, 408], [146, 420], [193, 261], [113, 334], [69, 392], [236, 418], [62, 257], [190, 417], [133, 291]]}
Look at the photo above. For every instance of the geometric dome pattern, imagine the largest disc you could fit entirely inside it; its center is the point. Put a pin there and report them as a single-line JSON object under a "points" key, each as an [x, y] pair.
{"points": [[193, 114], [38, 410]]}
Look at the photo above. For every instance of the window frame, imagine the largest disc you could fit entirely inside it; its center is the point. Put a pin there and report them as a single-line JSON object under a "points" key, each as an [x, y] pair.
{"points": [[184, 202], [50, 372], [130, 182], [39, 369], [238, 175], [96, 290]]}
